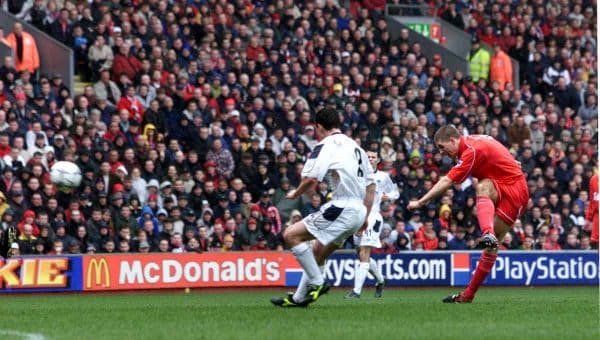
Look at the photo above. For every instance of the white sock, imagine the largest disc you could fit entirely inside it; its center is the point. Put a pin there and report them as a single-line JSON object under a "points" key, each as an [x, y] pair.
{"points": [[360, 276], [374, 271], [303, 285], [304, 255]]}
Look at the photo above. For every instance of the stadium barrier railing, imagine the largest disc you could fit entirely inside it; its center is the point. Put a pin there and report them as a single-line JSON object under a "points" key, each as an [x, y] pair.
{"points": [[116, 272]]}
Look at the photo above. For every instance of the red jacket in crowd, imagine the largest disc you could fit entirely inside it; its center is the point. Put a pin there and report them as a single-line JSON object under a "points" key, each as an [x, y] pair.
{"points": [[133, 106], [129, 65]]}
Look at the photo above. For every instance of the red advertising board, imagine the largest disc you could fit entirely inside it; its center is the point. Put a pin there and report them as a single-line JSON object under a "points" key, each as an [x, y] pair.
{"points": [[151, 271]]}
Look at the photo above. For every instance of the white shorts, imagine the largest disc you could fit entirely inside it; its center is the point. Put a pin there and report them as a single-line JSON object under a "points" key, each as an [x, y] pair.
{"points": [[336, 221], [370, 237]]}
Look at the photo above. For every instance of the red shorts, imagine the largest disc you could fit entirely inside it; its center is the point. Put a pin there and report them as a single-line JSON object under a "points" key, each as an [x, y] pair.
{"points": [[512, 200]]}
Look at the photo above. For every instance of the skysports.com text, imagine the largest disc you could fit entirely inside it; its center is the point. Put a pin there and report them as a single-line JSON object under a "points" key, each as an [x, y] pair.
{"points": [[391, 268]]}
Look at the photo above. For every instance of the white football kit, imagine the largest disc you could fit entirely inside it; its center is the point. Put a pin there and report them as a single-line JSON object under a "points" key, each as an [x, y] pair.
{"points": [[347, 167], [384, 185]]}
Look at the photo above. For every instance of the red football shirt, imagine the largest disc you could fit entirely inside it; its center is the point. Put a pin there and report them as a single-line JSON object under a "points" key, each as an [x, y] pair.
{"points": [[482, 157]]}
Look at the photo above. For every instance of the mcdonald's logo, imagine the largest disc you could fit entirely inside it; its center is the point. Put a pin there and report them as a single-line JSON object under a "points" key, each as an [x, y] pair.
{"points": [[98, 268]]}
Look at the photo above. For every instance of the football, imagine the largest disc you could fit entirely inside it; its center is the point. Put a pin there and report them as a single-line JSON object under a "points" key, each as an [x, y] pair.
{"points": [[65, 175]]}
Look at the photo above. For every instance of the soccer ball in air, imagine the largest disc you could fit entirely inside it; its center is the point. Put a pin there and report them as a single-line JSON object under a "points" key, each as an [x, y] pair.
{"points": [[65, 175]]}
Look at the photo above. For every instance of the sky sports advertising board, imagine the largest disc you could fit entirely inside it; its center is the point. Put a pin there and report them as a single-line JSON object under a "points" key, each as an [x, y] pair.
{"points": [[278, 269]]}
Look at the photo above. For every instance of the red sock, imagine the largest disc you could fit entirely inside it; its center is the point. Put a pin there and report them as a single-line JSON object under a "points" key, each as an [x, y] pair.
{"points": [[486, 263], [485, 214]]}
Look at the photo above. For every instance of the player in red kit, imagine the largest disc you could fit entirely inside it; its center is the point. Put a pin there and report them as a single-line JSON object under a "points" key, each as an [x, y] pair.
{"points": [[591, 215], [502, 193]]}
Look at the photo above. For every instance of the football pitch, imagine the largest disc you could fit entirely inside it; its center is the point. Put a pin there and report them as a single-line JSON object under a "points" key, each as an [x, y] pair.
{"points": [[507, 313]]}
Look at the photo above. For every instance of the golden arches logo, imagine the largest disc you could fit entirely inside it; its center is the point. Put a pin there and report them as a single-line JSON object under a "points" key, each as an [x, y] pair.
{"points": [[99, 269]]}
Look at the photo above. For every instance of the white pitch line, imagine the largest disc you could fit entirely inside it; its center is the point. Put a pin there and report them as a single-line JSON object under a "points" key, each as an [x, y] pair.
{"points": [[28, 336]]}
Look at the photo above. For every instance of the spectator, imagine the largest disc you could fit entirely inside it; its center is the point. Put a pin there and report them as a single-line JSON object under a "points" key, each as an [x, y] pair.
{"points": [[459, 241], [479, 61], [61, 29], [131, 105], [222, 159], [589, 110], [100, 57], [26, 240], [24, 48], [501, 70], [125, 64], [518, 132], [452, 16]]}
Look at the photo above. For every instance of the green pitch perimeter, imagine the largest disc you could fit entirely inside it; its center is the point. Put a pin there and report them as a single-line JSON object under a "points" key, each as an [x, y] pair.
{"points": [[497, 313]]}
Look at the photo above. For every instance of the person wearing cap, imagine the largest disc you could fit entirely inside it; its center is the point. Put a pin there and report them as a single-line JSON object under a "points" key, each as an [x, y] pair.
{"points": [[148, 215], [309, 136], [259, 135], [479, 61], [500, 67], [144, 247], [387, 149], [248, 234], [337, 97], [166, 191], [14, 250]]}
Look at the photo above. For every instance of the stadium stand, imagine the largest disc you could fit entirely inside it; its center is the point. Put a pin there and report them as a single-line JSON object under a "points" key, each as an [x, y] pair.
{"points": [[197, 120]]}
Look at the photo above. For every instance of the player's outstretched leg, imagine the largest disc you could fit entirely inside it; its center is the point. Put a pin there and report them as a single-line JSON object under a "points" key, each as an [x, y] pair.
{"points": [[321, 254], [485, 265], [288, 301], [296, 237], [302, 290], [492, 228]]}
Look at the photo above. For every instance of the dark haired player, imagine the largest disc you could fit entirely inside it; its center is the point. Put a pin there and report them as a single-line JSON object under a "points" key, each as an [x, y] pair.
{"points": [[347, 168]]}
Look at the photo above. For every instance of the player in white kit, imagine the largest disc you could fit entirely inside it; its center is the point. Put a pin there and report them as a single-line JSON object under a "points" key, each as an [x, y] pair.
{"points": [[346, 164], [365, 240]]}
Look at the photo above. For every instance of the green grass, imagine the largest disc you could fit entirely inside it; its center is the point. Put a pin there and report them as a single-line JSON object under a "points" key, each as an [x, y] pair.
{"points": [[514, 313]]}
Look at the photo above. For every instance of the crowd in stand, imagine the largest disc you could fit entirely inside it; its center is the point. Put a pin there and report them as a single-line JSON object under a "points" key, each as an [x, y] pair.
{"points": [[198, 120]]}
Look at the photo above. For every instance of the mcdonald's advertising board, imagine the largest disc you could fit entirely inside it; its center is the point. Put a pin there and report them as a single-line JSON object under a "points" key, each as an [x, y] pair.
{"points": [[100, 272], [151, 271], [40, 274]]}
